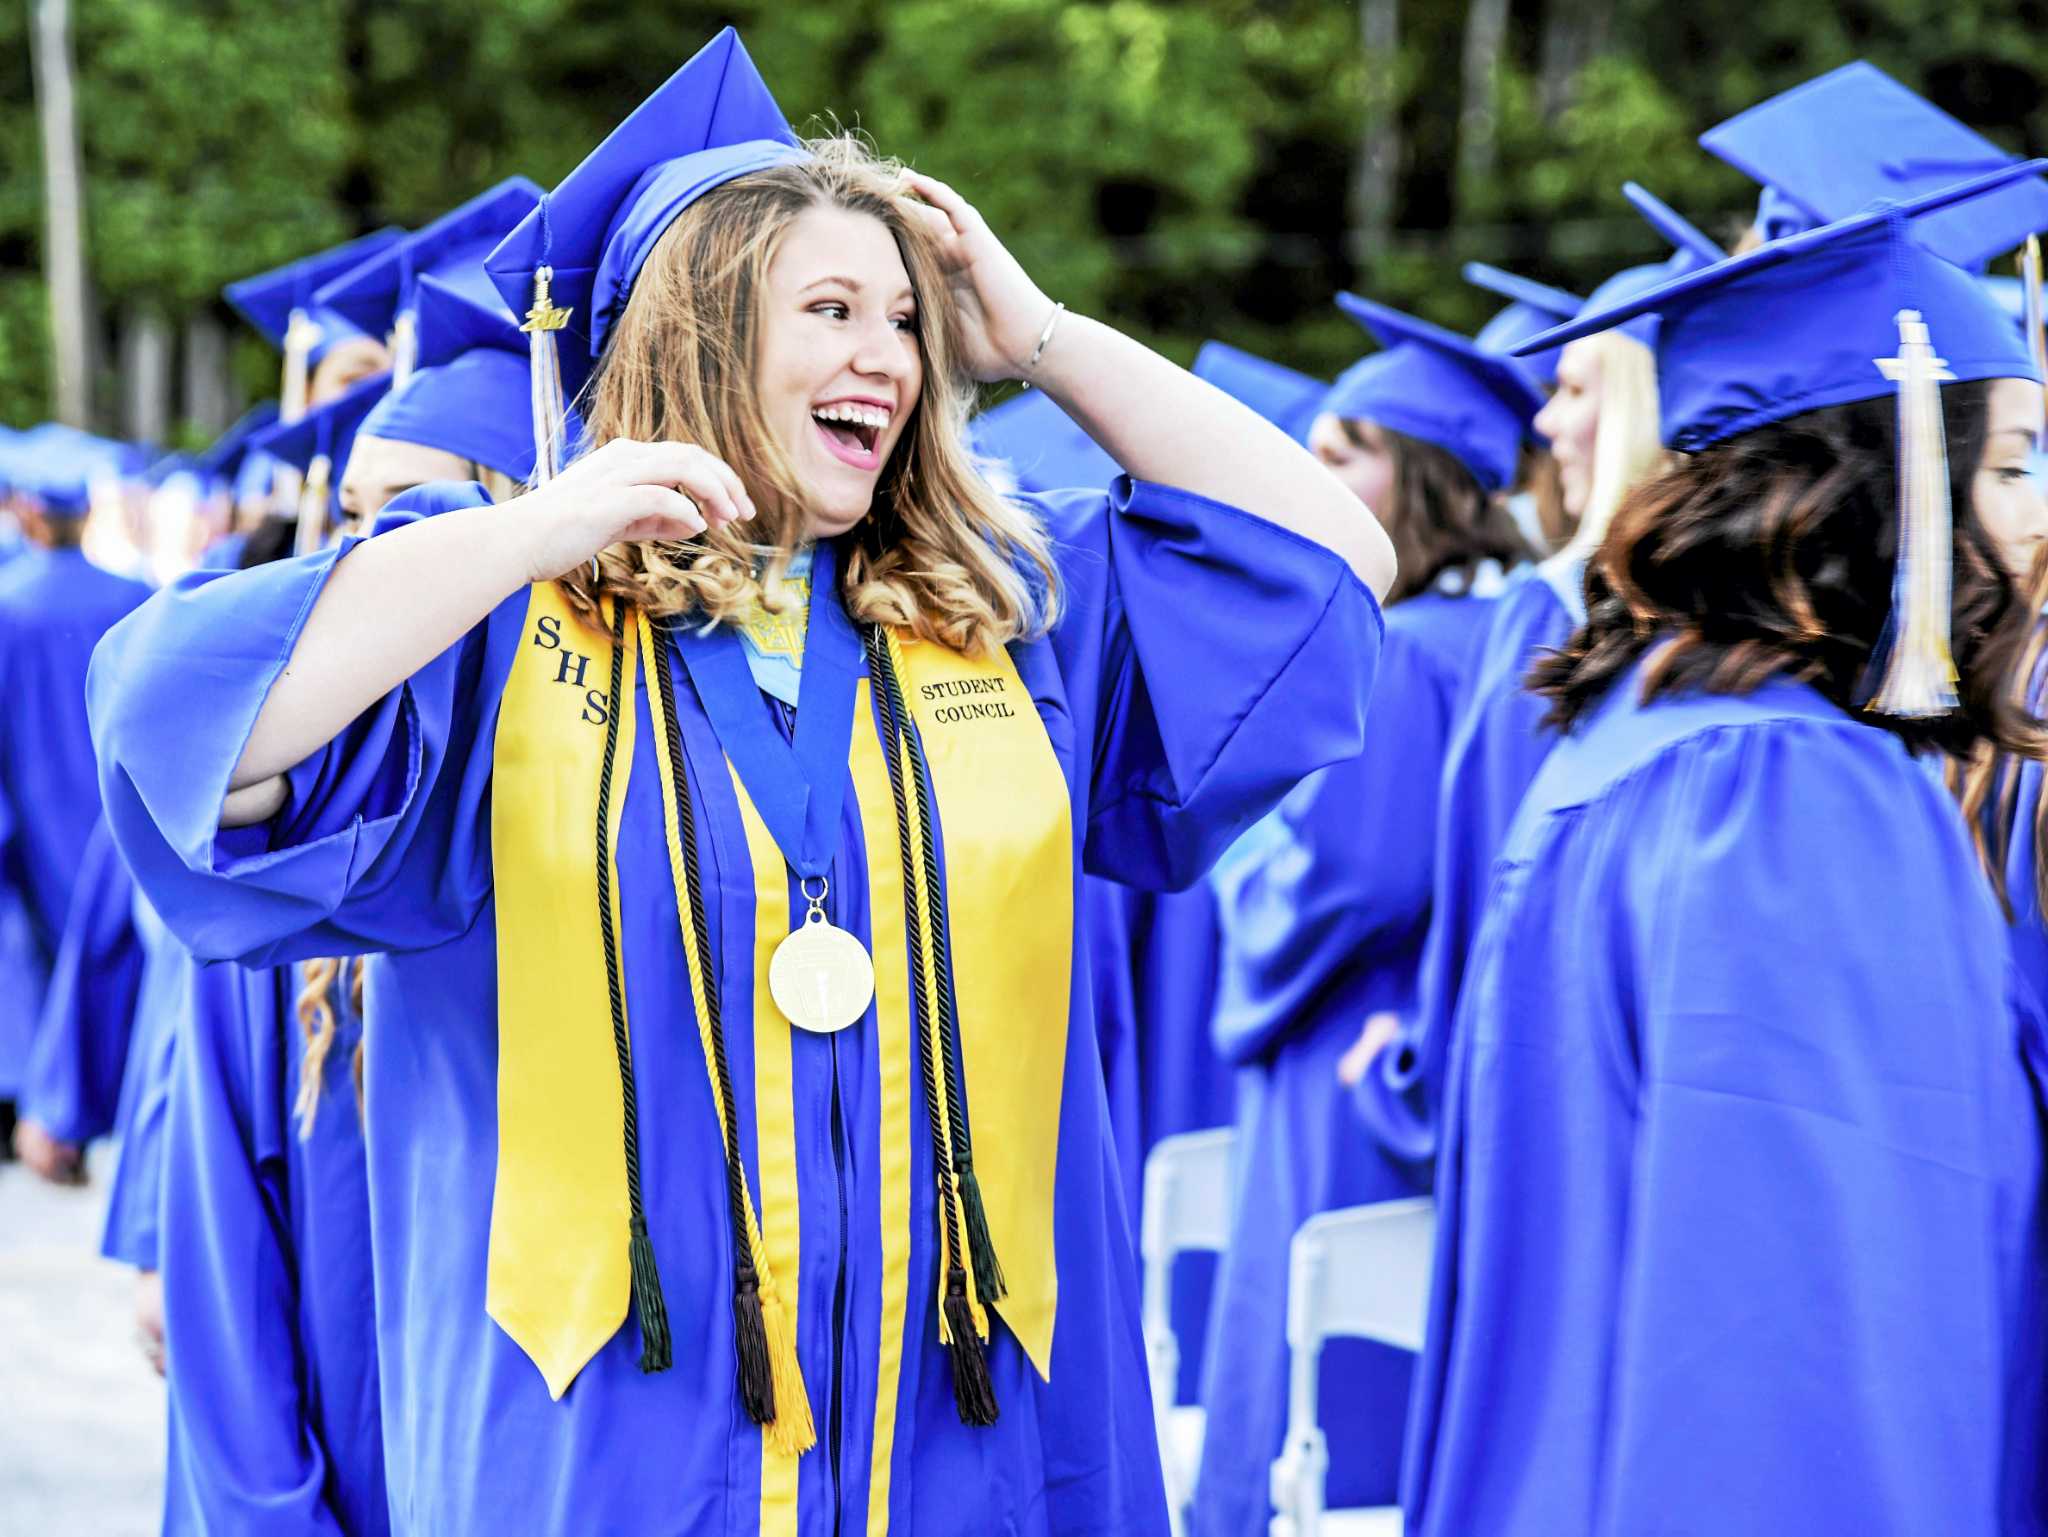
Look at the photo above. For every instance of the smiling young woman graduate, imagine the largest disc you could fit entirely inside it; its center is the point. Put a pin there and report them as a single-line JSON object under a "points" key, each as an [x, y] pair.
{"points": [[649, 1257], [1738, 1190], [1323, 917]]}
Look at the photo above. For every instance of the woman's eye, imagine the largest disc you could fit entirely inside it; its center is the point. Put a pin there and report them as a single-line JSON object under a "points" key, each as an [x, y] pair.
{"points": [[2012, 473], [831, 310], [907, 324]]}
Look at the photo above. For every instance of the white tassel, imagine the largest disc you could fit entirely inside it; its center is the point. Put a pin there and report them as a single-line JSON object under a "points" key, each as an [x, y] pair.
{"points": [[1920, 674], [405, 348], [311, 534], [550, 411], [2030, 288], [301, 336]]}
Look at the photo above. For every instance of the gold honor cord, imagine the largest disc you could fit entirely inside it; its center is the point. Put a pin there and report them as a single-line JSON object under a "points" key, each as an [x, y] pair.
{"points": [[771, 1379]]}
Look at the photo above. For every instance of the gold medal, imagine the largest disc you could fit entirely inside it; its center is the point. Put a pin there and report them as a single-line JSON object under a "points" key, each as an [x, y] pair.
{"points": [[821, 976]]}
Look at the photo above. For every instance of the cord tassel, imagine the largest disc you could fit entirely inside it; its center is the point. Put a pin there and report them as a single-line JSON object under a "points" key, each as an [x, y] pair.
{"points": [[974, 1392], [792, 1432], [989, 1284], [405, 348], [750, 1336], [649, 1310]]}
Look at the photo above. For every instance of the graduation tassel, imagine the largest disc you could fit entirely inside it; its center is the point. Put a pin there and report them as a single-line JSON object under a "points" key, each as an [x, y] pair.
{"points": [[792, 1431], [750, 1336], [544, 370], [311, 533], [974, 1391], [1920, 673], [301, 335], [981, 1248], [405, 348], [2030, 290], [649, 1310]]}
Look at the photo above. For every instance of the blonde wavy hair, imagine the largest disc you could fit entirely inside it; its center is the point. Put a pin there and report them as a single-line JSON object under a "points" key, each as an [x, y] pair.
{"points": [[318, 981], [1628, 446], [941, 555]]}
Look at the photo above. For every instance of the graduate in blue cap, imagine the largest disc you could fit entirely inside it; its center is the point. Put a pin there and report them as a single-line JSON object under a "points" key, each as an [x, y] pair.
{"points": [[1322, 921], [1739, 1186], [325, 353], [55, 603], [778, 1249], [1601, 422]]}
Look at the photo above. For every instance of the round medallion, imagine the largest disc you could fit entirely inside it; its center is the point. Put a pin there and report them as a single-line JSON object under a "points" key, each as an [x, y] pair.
{"points": [[821, 977]]}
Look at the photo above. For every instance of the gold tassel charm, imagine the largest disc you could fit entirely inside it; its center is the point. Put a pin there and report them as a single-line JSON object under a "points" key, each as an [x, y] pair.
{"points": [[1920, 674], [544, 362], [792, 1432]]}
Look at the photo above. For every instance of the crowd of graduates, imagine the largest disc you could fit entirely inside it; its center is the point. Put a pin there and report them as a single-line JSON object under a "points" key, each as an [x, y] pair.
{"points": [[1587, 774]]}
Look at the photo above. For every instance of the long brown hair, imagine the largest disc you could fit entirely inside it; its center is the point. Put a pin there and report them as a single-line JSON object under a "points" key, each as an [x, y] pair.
{"points": [[941, 555], [1771, 555], [1989, 773], [1442, 522]]}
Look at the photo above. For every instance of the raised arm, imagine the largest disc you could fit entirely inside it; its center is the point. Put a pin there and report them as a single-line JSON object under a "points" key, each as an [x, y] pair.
{"points": [[396, 602], [1158, 421]]}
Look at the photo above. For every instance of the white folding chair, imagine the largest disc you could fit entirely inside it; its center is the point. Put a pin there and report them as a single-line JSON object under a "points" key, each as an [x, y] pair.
{"points": [[1362, 1272], [1187, 1208]]}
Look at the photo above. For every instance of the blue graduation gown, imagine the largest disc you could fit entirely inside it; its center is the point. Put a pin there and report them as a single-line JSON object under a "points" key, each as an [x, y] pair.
{"points": [[1325, 925], [54, 606], [135, 1197], [1740, 1168], [1496, 746], [1154, 956], [268, 1305], [73, 1084], [1172, 731]]}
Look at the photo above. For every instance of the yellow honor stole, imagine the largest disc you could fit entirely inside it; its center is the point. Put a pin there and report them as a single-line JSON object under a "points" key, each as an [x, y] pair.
{"points": [[973, 975]]}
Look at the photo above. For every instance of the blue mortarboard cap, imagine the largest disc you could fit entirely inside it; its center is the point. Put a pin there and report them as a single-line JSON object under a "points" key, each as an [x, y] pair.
{"points": [[478, 406], [1804, 322], [712, 120], [58, 465], [326, 432], [1284, 396], [1854, 136], [1436, 385], [254, 477], [375, 295], [1667, 221], [1532, 307], [223, 459], [268, 300], [1042, 446]]}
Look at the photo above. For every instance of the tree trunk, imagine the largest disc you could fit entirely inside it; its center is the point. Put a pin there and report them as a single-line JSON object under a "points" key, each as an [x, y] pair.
{"points": [[64, 214], [145, 376], [1563, 43], [207, 401], [1486, 29], [1379, 155]]}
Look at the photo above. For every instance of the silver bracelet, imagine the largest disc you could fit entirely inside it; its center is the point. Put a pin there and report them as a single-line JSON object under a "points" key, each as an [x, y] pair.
{"points": [[1051, 324]]}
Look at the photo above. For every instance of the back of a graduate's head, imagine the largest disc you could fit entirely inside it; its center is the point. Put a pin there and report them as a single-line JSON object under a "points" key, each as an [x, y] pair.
{"points": [[1442, 522], [1772, 554], [687, 360]]}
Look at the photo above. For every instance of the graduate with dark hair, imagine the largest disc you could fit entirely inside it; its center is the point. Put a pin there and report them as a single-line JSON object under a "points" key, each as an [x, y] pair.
{"points": [[1324, 911], [1738, 1190], [770, 1246]]}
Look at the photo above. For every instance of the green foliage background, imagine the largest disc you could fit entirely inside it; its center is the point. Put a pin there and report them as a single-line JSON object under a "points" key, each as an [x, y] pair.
{"points": [[1180, 166]]}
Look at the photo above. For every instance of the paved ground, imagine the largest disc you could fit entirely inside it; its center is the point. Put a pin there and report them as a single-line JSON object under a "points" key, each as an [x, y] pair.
{"points": [[81, 1416]]}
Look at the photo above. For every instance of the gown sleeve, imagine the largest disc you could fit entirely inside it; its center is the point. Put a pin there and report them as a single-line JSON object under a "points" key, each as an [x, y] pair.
{"points": [[134, 1221], [1496, 746], [1315, 913], [72, 1088], [248, 1461], [1215, 659], [383, 843], [1814, 1316]]}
